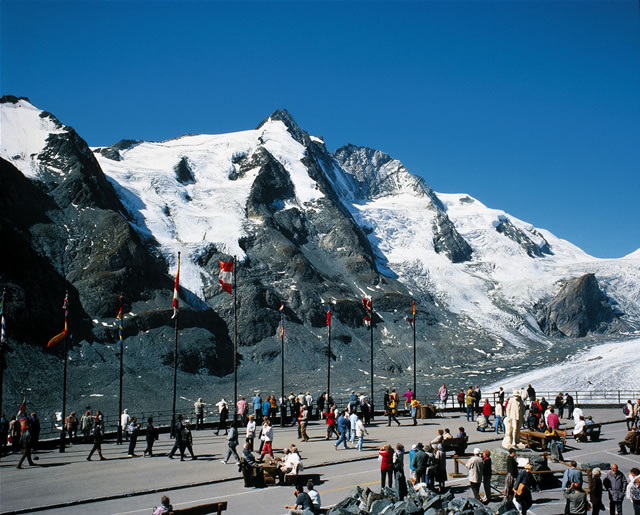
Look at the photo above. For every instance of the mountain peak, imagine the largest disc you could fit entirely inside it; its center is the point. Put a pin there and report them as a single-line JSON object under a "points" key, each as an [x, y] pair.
{"points": [[285, 117]]}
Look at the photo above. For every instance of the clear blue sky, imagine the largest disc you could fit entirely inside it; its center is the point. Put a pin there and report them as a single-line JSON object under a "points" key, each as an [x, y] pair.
{"points": [[533, 108]]}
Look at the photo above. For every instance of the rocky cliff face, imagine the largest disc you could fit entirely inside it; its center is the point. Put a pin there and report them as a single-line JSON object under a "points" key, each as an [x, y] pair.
{"points": [[578, 309]]}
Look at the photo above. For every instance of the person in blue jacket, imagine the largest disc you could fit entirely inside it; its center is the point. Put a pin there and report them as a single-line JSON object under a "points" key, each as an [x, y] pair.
{"points": [[266, 407], [343, 426], [257, 408]]}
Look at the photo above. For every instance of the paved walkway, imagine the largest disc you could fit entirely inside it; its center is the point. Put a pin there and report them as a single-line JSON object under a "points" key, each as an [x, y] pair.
{"points": [[66, 479]]}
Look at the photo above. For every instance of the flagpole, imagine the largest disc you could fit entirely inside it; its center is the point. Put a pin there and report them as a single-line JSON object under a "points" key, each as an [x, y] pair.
{"points": [[282, 405], [235, 340], [2, 355], [175, 359], [64, 373], [371, 335], [413, 309], [120, 329], [329, 360]]}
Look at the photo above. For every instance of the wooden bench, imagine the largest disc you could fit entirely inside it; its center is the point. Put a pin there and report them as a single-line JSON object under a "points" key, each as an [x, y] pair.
{"points": [[537, 439], [593, 432], [458, 445], [301, 479], [253, 475], [202, 509]]}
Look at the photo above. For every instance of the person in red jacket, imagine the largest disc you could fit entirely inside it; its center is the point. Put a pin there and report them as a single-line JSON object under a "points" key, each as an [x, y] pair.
{"points": [[386, 465], [331, 422], [487, 409]]}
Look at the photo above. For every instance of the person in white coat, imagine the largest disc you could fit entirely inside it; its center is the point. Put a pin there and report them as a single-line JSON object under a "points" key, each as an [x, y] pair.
{"points": [[251, 432], [353, 419], [360, 431], [125, 420], [475, 466], [629, 415]]}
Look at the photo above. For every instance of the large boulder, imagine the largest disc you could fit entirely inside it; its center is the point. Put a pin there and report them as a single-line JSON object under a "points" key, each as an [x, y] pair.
{"points": [[579, 308]]}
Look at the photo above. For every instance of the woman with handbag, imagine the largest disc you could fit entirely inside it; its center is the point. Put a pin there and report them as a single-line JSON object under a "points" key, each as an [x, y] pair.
{"points": [[398, 471], [522, 489]]}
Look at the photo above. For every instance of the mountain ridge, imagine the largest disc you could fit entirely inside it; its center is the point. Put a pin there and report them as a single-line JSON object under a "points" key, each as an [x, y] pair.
{"points": [[309, 228]]}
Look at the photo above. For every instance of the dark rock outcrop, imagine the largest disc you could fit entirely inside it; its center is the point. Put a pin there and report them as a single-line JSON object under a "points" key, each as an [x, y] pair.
{"points": [[512, 232], [448, 241], [377, 174], [184, 173], [579, 308]]}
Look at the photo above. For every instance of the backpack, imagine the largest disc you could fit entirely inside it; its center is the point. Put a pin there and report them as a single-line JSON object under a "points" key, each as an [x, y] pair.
{"points": [[625, 410]]}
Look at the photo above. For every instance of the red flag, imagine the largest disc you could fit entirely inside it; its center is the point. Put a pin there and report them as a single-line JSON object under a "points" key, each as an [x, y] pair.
{"points": [[329, 315], [175, 290], [366, 303], [22, 410], [225, 278]]}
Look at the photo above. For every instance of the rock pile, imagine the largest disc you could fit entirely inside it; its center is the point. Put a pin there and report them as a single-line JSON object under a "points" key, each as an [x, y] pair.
{"points": [[420, 500]]}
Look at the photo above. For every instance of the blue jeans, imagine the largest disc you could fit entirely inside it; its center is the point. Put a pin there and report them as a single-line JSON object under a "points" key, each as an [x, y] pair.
{"points": [[360, 442], [343, 439], [353, 435], [499, 424], [470, 413]]}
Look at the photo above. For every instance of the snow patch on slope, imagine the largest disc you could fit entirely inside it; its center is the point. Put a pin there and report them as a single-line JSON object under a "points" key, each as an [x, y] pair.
{"points": [[290, 153], [23, 135], [210, 211], [608, 366]]}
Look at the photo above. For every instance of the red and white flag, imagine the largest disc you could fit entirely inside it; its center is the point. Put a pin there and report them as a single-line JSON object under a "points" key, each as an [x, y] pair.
{"points": [[225, 278], [175, 290], [366, 303], [22, 410], [281, 309]]}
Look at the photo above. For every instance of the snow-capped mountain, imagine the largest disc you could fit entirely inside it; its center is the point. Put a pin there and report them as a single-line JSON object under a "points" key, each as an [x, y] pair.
{"points": [[308, 227]]}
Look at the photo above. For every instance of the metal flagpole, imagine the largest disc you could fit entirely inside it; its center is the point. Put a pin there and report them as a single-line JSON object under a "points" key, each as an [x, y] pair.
{"points": [[64, 374], [371, 334], [120, 331], [235, 341], [2, 354], [175, 356], [282, 405], [413, 315], [329, 354]]}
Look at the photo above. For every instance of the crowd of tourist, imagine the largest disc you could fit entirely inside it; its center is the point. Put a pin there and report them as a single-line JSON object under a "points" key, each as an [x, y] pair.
{"points": [[349, 426]]}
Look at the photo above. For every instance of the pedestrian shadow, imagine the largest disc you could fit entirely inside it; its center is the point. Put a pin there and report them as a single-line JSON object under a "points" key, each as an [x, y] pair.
{"points": [[47, 465], [544, 500], [207, 457]]}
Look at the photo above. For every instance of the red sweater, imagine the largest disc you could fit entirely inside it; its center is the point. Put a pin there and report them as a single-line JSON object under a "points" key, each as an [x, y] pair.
{"points": [[387, 460], [331, 417]]}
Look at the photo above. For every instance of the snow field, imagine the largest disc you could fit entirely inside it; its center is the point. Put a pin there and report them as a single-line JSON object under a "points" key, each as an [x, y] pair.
{"points": [[23, 135]]}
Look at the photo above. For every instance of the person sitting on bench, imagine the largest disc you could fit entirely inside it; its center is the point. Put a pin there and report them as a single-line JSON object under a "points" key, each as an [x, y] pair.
{"points": [[290, 463], [580, 430], [632, 440]]}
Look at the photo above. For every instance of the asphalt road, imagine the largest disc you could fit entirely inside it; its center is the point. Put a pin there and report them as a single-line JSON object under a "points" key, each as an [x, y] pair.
{"points": [[68, 477]]}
